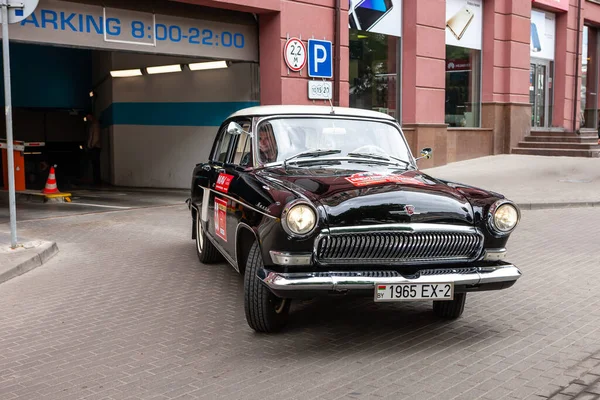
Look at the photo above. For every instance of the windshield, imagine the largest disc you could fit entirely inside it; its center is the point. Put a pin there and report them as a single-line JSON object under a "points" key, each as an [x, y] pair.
{"points": [[282, 138]]}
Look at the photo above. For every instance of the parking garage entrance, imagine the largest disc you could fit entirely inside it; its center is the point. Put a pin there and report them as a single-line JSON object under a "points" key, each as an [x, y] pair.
{"points": [[131, 97]]}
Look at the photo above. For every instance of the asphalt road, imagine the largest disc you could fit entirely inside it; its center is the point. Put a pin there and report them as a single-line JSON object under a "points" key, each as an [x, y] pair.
{"points": [[126, 311]]}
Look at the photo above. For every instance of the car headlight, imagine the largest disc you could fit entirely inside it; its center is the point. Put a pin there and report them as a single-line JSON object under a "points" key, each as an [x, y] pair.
{"points": [[504, 217], [299, 219]]}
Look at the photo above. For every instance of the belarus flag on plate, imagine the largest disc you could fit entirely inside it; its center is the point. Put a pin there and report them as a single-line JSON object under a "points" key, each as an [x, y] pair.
{"points": [[381, 287]]}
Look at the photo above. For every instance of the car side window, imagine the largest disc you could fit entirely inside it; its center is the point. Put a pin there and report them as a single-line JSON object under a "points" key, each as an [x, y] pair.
{"points": [[222, 147]]}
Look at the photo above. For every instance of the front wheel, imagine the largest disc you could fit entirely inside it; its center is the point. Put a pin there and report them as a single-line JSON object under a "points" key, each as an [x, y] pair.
{"points": [[450, 309], [265, 312]]}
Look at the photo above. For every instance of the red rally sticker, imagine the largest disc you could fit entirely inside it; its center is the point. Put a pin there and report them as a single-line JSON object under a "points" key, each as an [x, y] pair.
{"points": [[365, 179], [221, 218], [223, 182]]}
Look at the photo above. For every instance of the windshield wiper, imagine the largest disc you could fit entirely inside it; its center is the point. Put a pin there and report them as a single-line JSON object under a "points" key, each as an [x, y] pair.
{"points": [[311, 153], [370, 155], [379, 157]]}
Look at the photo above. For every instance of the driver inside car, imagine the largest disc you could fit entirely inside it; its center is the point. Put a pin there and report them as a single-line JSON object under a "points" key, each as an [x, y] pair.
{"points": [[267, 144]]}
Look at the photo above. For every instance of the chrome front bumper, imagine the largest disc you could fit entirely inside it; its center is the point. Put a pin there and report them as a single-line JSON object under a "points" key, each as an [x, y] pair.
{"points": [[496, 277]]}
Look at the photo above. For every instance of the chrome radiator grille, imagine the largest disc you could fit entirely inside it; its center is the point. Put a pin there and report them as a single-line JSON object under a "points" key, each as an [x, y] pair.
{"points": [[399, 247]]}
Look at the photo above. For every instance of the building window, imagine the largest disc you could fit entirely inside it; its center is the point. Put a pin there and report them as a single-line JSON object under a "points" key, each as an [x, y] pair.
{"points": [[589, 78], [541, 73], [464, 27], [463, 89], [374, 71]]}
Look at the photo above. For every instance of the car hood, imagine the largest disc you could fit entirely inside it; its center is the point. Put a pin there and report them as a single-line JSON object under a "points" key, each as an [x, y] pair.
{"points": [[352, 193]]}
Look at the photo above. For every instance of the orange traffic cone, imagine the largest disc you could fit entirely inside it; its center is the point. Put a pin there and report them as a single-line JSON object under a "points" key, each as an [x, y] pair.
{"points": [[51, 187]]}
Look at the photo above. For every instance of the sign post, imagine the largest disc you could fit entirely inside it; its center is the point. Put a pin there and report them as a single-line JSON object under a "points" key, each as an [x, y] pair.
{"points": [[12, 12]]}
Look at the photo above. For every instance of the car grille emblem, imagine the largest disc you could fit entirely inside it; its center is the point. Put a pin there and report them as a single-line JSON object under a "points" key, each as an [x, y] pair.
{"points": [[410, 210]]}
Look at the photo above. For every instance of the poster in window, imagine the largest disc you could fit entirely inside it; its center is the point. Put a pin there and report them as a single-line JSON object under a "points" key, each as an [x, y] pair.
{"points": [[378, 16], [543, 28], [221, 218], [464, 21]]}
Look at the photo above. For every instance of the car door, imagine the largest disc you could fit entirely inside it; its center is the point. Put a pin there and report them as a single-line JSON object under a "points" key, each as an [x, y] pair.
{"points": [[215, 197], [228, 194]]}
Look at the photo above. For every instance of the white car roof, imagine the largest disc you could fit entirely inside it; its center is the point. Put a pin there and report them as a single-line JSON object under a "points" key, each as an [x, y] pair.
{"points": [[308, 110]]}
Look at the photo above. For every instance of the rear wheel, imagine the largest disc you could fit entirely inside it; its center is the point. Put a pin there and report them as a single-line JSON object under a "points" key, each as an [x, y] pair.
{"points": [[206, 251], [450, 309], [265, 312]]}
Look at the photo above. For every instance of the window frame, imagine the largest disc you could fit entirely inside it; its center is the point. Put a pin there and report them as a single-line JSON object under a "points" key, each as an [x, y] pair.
{"points": [[221, 133], [231, 160], [478, 81]]}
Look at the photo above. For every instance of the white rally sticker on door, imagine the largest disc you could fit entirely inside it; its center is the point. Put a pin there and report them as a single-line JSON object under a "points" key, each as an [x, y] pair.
{"points": [[221, 218]]}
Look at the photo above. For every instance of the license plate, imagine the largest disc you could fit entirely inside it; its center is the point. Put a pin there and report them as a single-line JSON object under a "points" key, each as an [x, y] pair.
{"points": [[414, 291]]}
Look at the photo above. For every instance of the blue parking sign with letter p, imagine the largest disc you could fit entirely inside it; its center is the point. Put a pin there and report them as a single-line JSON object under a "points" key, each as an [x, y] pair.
{"points": [[320, 58]]}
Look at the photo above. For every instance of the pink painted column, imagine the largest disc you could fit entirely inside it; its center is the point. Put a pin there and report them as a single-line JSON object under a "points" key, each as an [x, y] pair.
{"points": [[566, 64], [302, 20], [269, 43], [505, 81], [424, 79], [506, 51], [423, 58]]}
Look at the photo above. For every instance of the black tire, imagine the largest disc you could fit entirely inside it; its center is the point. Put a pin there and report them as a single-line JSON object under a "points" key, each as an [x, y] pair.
{"points": [[206, 251], [265, 312], [450, 309]]}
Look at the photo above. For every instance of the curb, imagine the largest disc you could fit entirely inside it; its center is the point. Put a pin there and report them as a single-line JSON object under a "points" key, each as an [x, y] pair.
{"points": [[45, 252], [566, 204]]}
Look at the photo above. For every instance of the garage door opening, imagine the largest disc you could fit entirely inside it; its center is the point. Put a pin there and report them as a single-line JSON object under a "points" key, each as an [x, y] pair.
{"points": [[157, 102]]}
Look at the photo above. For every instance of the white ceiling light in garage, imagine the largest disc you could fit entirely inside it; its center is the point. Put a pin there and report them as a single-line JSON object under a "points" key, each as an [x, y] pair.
{"points": [[208, 65], [124, 73], [163, 69]]}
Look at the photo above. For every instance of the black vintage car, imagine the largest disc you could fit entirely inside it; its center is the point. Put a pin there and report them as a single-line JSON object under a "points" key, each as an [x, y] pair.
{"points": [[315, 200]]}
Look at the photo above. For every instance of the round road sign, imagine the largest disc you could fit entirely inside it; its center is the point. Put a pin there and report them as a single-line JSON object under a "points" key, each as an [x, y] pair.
{"points": [[19, 14], [295, 54]]}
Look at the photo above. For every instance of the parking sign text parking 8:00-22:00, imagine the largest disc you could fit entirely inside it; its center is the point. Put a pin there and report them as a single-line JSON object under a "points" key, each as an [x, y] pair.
{"points": [[87, 23]]}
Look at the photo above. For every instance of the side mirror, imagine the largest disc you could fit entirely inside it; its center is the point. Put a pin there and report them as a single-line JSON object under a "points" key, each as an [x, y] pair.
{"points": [[234, 129], [426, 153]]}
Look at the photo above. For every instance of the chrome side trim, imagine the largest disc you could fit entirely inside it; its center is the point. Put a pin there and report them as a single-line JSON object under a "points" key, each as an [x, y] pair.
{"points": [[241, 202], [340, 281], [412, 227], [494, 254], [281, 258]]}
